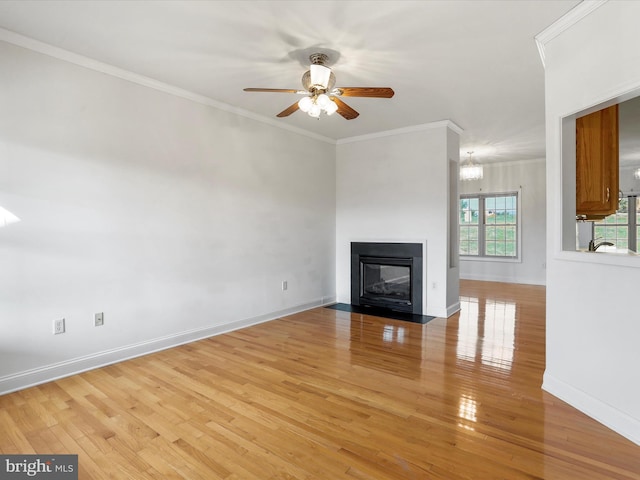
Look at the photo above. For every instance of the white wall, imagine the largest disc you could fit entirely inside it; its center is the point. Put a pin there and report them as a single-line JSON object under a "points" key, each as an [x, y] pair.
{"points": [[395, 188], [593, 330], [175, 219], [527, 178]]}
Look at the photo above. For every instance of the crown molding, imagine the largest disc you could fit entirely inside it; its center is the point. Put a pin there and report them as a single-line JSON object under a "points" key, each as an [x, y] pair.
{"points": [[400, 131], [569, 19], [86, 62], [82, 61]]}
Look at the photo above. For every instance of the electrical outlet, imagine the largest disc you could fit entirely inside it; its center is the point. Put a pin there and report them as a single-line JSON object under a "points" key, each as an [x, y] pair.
{"points": [[285, 285], [58, 326], [98, 319]]}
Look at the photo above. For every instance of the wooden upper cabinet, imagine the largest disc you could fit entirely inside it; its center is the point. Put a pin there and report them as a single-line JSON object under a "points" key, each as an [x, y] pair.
{"points": [[597, 164]]}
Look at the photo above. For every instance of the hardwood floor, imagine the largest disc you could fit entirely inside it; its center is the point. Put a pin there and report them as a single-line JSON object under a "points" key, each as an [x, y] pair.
{"points": [[327, 394]]}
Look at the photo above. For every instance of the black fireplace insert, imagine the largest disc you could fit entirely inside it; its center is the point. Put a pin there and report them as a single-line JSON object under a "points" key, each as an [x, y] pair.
{"points": [[387, 275]]}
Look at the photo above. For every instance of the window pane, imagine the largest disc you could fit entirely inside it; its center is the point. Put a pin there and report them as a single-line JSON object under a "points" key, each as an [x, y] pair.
{"points": [[468, 211], [468, 248], [510, 250], [622, 243], [622, 233], [464, 206], [490, 248], [468, 240], [468, 217]]}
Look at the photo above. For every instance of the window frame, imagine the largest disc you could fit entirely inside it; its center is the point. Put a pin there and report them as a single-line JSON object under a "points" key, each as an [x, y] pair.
{"points": [[481, 256]]}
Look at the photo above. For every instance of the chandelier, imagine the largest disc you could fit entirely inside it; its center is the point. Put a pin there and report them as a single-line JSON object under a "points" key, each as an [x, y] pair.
{"points": [[470, 170]]}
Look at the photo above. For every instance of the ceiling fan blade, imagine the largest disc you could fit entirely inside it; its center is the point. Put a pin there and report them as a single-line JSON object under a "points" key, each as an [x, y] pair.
{"points": [[288, 111], [277, 90], [375, 92], [345, 110]]}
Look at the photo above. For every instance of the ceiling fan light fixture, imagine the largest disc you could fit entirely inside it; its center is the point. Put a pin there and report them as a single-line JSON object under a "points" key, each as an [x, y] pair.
{"points": [[315, 110], [323, 100], [636, 173], [320, 76], [470, 170], [316, 104], [305, 104], [331, 107]]}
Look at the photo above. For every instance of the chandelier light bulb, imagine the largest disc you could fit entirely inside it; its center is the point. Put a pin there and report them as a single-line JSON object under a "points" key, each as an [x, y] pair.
{"points": [[470, 170]]}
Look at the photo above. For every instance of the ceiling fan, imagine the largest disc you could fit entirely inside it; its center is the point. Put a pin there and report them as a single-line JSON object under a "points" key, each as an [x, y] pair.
{"points": [[320, 94]]}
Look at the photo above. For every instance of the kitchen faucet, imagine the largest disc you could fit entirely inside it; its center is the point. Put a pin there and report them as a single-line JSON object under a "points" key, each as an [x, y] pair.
{"points": [[594, 246]]}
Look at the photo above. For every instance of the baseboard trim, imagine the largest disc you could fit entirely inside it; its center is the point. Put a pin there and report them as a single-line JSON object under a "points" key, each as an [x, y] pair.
{"points": [[48, 373], [451, 309], [602, 412]]}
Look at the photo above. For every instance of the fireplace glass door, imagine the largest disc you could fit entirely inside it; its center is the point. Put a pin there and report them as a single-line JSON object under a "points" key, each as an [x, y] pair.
{"points": [[386, 282]]}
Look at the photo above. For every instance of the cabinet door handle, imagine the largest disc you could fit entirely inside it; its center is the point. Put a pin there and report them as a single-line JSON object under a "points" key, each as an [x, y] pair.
{"points": [[607, 194]]}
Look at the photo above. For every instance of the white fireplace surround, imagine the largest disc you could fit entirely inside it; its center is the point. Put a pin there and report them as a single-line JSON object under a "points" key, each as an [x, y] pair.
{"points": [[402, 188]]}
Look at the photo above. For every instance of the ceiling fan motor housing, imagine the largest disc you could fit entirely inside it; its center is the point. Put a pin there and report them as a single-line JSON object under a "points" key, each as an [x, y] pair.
{"points": [[318, 58]]}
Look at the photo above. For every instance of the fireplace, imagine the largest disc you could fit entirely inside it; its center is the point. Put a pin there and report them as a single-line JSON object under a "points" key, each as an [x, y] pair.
{"points": [[387, 275]]}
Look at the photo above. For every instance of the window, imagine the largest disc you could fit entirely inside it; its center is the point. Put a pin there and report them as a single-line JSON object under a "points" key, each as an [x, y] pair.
{"points": [[620, 228], [489, 225]]}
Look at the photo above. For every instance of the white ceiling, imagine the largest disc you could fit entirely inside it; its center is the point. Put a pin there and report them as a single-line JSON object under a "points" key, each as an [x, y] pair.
{"points": [[472, 62]]}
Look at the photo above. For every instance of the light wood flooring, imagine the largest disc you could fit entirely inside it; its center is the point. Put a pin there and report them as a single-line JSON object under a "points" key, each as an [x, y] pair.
{"points": [[330, 395]]}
